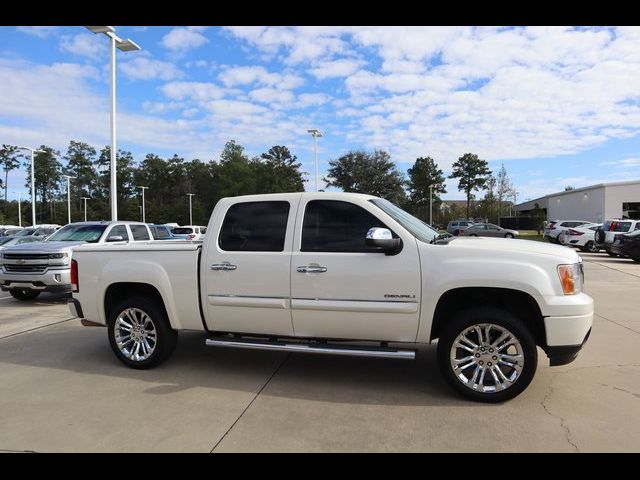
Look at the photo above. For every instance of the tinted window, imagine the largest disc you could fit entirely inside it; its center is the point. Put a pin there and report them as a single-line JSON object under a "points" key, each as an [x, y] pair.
{"points": [[160, 232], [81, 232], [254, 227], [454, 224], [203, 230], [139, 232], [182, 231], [119, 231], [637, 226], [335, 226]]}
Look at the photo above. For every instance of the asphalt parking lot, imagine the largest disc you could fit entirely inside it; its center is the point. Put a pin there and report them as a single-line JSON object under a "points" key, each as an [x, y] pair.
{"points": [[62, 389]]}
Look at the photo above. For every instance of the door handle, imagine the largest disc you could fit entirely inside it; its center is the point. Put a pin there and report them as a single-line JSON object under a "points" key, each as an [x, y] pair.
{"points": [[223, 266], [312, 269]]}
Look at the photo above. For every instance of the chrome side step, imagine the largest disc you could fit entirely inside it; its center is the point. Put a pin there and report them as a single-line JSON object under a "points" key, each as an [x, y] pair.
{"points": [[357, 351]]}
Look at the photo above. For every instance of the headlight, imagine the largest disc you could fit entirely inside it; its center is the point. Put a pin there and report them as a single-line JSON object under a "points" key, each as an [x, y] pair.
{"points": [[571, 278], [58, 255]]}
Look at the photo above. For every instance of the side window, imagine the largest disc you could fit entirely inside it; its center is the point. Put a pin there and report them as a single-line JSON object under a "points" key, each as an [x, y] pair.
{"points": [[336, 226], [254, 227], [119, 231], [637, 226], [160, 232], [139, 232]]}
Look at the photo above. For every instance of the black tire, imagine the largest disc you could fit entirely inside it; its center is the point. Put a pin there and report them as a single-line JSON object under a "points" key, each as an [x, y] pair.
{"points": [[590, 246], [166, 337], [636, 259], [611, 254], [508, 235], [473, 234], [456, 232], [496, 316], [600, 236], [24, 294]]}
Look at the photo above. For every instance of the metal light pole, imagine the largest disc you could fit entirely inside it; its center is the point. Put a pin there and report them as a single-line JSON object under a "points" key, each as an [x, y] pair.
{"points": [[190, 217], [124, 46], [143, 215], [85, 207], [430, 203], [19, 208], [33, 185], [69, 177], [315, 133]]}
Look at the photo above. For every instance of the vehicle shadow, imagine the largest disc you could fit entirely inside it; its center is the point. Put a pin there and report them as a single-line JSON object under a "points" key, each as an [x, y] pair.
{"points": [[43, 299], [340, 379]]}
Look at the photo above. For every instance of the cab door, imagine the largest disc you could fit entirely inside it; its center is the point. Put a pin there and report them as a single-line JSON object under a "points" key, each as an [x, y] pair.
{"points": [[342, 288], [246, 272]]}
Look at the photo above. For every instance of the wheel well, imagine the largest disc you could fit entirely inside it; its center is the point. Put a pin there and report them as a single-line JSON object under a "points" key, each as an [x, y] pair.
{"points": [[120, 291], [518, 303]]}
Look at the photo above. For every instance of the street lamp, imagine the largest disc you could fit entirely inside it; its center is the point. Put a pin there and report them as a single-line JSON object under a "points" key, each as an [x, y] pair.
{"points": [[430, 203], [124, 46], [69, 177], [19, 208], [85, 207], [190, 217], [315, 133], [33, 185], [143, 215]]}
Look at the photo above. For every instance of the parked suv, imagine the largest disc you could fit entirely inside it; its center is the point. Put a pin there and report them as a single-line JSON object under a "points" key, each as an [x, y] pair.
{"points": [[605, 235], [190, 232], [28, 269], [456, 226], [554, 228]]}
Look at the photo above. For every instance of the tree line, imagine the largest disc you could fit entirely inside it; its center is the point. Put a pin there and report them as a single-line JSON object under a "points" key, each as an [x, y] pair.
{"points": [[234, 173]]}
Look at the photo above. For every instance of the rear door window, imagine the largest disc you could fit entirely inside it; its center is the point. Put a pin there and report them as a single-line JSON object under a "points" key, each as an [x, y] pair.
{"points": [[139, 232], [255, 227]]}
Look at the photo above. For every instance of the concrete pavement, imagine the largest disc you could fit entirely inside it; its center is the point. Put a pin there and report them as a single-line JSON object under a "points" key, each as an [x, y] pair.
{"points": [[61, 389]]}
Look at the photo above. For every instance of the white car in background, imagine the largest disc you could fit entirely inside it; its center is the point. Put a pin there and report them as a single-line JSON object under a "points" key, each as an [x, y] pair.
{"points": [[190, 232], [554, 228], [582, 237]]}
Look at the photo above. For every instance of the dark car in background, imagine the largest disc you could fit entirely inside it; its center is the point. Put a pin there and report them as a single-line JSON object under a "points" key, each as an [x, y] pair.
{"points": [[488, 230], [627, 245]]}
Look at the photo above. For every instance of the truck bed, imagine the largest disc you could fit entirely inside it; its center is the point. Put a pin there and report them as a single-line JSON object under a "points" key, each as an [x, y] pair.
{"points": [[172, 268]]}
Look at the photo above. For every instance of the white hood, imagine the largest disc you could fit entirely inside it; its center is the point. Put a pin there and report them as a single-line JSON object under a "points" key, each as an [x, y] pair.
{"points": [[516, 246]]}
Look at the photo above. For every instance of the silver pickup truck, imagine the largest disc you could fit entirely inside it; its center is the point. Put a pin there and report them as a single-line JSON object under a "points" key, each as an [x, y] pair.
{"points": [[26, 270]]}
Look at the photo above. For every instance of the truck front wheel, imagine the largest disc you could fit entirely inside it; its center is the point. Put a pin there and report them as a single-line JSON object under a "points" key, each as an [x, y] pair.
{"points": [[487, 354], [140, 334], [24, 294]]}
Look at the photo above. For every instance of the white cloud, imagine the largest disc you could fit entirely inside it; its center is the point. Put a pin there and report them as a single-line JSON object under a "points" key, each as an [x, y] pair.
{"points": [[247, 75], [312, 99], [335, 68], [626, 163], [40, 32], [271, 96], [144, 68], [199, 91], [184, 38], [84, 44]]}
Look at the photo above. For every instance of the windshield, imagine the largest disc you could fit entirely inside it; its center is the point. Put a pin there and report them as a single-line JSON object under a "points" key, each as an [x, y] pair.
{"points": [[25, 232], [5, 240], [78, 233], [415, 226]]}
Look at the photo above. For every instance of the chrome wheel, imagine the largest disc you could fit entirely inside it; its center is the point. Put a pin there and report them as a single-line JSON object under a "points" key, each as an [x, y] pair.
{"points": [[135, 334], [487, 358]]}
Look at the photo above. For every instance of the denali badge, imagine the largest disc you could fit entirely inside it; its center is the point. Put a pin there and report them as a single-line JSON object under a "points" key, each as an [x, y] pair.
{"points": [[390, 295]]}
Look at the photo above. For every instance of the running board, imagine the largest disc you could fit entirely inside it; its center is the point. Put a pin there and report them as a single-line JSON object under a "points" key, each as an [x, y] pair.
{"points": [[380, 352]]}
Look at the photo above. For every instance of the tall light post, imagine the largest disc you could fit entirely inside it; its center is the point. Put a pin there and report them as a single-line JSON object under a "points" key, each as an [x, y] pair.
{"points": [[315, 133], [85, 207], [143, 215], [190, 217], [19, 208], [430, 203], [69, 177], [124, 46], [33, 184]]}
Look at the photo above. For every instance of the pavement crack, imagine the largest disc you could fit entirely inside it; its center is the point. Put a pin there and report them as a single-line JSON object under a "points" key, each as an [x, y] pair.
{"points": [[619, 324], [37, 328], [562, 422], [252, 400]]}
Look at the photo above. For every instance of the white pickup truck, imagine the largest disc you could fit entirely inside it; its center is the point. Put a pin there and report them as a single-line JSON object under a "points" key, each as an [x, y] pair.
{"points": [[339, 273]]}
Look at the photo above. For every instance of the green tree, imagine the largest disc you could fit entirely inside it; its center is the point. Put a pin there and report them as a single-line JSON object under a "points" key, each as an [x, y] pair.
{"points": [[279, 171], [47, 176], [80, 159], [235, 172], [363, 172], [472, 173], [504, 188], [125, 183], [423, 175], [8, 162]]}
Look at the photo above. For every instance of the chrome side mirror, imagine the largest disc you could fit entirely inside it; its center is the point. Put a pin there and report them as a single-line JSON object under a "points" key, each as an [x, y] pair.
{"points": [[115, 238], [383, 239]]}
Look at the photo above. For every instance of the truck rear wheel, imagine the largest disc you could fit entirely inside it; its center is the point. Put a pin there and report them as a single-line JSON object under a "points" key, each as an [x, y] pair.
{"points": [[487, 354], [24, 294], [140, 334]]}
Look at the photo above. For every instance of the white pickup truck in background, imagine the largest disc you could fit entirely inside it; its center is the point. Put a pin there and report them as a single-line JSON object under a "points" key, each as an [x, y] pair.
{"points": [[340, 273]]}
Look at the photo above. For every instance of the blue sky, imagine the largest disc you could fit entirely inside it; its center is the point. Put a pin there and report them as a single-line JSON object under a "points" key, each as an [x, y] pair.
{"points": [[558, 106]]}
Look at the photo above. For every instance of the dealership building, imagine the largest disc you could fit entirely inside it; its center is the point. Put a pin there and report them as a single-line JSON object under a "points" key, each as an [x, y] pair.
{"points": [[595, 203]]}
